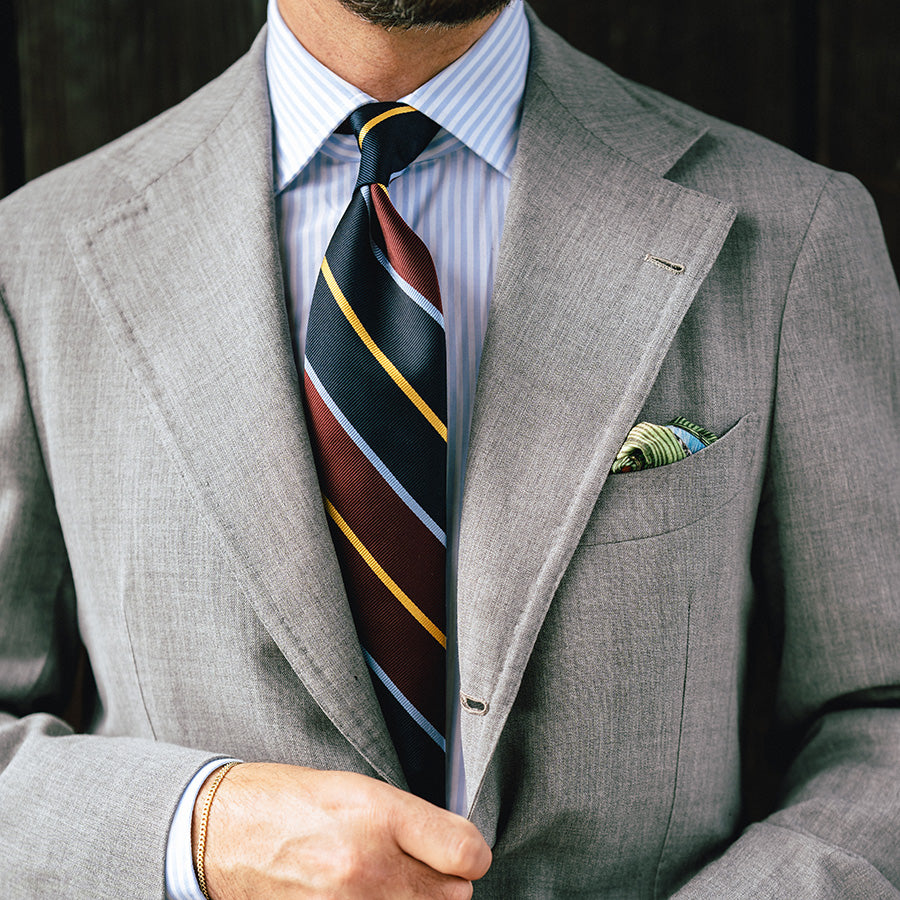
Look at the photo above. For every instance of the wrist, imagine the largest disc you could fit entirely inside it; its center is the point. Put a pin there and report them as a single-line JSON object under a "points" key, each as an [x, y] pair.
{"points": [[200, 821]]}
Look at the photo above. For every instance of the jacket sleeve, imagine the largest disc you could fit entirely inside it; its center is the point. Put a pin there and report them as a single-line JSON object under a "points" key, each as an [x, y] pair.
{"points": [[80, 816], [828, 575]]}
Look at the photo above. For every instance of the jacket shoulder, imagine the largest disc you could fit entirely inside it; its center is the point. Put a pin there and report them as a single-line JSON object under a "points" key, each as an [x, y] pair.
{"points": [[668, 136], [128, 165]]}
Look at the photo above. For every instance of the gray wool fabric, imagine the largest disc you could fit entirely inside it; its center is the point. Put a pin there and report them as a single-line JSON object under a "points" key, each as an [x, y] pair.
{"points": [[158, 498]]}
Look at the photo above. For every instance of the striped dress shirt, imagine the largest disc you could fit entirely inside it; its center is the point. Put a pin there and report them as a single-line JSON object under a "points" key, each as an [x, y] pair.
{"points": [[453, 196]]}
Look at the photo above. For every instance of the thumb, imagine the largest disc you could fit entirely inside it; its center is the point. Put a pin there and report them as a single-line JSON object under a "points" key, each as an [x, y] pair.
{"points": [[446, 842]]}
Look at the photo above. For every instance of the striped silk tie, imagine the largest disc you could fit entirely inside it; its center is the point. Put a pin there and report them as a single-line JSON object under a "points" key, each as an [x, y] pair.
{"points": [[375, 382]]}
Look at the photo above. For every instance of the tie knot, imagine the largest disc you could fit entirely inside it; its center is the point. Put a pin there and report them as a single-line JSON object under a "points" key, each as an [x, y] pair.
{"points": [[390, 137]]}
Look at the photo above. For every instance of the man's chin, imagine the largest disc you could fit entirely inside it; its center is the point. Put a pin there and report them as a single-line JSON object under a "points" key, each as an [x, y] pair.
{"points": [[423, 13]]}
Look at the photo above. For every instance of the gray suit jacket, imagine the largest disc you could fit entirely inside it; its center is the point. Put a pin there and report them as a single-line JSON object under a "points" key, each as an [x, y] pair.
{"points": [[158, 499]]}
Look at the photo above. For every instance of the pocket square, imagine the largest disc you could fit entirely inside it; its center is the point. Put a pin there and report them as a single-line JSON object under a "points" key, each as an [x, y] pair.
{"points": [[648, 446]]}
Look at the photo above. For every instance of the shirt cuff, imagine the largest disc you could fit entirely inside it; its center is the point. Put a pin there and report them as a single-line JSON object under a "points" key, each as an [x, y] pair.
{"points": [[181, 879]]}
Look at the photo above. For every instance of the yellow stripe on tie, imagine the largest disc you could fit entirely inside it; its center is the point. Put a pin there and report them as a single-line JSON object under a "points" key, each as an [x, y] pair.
{"points": [[396, 111], [375, 350], [389, 582]]}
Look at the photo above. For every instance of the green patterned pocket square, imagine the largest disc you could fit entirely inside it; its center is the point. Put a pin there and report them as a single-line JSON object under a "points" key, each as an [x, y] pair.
{"points": [[648, 446]]}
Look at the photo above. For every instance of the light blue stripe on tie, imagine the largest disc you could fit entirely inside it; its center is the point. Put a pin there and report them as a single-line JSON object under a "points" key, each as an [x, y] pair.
{"points": [[414, 714], [408, 289], [373, 458]]}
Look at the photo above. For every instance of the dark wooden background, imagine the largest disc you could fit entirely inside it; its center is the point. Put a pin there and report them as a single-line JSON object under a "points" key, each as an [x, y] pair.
{"points": [[821, 76]]}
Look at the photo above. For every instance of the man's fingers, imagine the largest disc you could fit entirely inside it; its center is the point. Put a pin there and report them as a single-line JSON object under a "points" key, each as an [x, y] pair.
{"points": [[285, 831], [442, 840]]}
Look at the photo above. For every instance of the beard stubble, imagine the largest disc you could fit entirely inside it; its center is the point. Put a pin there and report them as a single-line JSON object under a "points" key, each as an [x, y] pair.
{"points": [[404, 14]]}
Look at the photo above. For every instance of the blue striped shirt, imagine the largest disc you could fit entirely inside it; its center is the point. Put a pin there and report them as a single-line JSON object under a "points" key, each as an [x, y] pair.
{"points": [[454, 197]]}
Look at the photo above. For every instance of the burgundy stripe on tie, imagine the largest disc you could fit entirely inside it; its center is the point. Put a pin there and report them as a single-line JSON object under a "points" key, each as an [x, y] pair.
{"points": [[407, 254]]}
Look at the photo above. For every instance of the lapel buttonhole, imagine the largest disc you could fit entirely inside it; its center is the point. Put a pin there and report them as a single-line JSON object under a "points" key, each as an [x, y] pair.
{"points": [[674, 267]]}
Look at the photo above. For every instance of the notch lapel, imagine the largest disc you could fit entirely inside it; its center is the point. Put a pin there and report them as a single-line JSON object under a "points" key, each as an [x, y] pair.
{"points": [[580, 323], [187, 279]]}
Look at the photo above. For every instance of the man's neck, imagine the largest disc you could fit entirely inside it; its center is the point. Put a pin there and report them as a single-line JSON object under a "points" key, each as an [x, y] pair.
{"points": [[386, 64]]}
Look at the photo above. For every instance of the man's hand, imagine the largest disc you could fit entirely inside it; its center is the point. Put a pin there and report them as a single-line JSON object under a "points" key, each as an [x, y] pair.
{"points": [[278, 831]]}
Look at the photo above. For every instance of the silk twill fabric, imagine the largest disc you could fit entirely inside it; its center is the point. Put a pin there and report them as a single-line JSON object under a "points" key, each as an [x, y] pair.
{"points": [[376, 397], [648, 445]]}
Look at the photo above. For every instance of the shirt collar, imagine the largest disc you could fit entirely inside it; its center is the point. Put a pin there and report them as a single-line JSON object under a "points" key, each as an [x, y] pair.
{"points": [[477, 98]]}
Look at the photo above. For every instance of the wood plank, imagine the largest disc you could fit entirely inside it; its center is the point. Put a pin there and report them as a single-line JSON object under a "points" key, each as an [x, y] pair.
{"points": [[730, 58], [93, 69], [12, 166], [859, 101]]}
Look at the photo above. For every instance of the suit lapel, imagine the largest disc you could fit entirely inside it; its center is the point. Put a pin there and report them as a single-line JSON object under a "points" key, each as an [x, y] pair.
{"points": [[187, 279], [579, 325]]}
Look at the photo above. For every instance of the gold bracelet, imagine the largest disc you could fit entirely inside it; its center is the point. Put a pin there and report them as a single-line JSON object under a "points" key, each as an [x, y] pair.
{"points": [[204, 822]]}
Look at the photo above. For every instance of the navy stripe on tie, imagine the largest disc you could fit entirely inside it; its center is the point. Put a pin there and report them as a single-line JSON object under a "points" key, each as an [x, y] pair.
{"points": [[405, 333], [422, 757], [411, 443]]}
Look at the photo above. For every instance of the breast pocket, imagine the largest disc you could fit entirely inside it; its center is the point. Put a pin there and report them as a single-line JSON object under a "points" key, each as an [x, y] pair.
{"points": [[637, 505]]}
